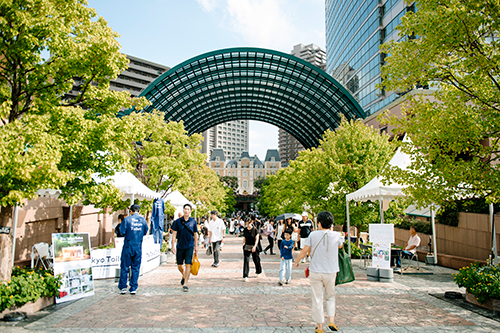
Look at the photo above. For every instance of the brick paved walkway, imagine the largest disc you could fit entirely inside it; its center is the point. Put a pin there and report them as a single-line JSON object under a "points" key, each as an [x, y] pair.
{"points": [[220, 301]]}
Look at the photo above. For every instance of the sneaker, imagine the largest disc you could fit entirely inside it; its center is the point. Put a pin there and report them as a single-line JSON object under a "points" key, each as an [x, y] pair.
{"points": [[287, 282], [133, 292], [280, 283], [265, 252], [185, 288], [259, 275], [123, 291], [182, 281], [273, 254], [245, 279]]}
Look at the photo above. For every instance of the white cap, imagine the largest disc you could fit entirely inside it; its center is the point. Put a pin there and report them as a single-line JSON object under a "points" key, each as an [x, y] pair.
{"points": [[305, 214]]}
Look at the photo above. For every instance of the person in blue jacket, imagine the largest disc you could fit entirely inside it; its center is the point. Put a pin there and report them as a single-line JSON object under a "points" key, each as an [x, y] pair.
{"points": [[134, 228]]}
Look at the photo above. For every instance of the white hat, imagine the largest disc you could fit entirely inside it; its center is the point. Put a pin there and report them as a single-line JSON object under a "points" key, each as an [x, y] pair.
{"points": [[305, 214]]}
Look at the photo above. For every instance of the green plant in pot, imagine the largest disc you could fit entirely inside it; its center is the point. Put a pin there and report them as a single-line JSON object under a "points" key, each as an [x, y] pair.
{"points": [[482, 281]]}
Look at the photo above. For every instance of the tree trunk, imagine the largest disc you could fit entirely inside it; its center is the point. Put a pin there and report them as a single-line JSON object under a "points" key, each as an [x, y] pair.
{"points": [[6, 244]]}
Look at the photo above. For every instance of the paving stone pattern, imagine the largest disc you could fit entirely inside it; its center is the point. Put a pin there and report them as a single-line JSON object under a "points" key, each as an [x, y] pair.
{"points": [[220, 301]]}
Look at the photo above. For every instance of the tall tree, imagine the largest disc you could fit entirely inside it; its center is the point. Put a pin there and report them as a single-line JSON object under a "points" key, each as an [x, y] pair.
{"points": [[48, 142], [162, 153], [454, 49], [320, 178]]}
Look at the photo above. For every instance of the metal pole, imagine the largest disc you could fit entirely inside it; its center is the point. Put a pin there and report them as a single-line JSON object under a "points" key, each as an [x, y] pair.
{"points": [[348, 228], [381, 210], [70, 218], [14, 229], [434, 237], [494, 236]]}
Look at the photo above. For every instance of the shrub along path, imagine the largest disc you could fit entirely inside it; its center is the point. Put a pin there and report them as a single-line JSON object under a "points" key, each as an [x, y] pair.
{"points": [[220, 301]]}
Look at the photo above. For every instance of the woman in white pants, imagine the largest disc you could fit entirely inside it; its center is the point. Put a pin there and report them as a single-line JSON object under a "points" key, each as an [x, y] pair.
{"points": [[323, 246]]}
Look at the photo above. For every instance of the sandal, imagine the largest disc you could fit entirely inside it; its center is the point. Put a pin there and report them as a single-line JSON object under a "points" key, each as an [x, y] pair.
{"points": [[332, 327], [317, 330]]}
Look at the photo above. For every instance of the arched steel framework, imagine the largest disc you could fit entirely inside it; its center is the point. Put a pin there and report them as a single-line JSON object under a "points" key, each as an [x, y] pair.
{"points": [[255, 84]]}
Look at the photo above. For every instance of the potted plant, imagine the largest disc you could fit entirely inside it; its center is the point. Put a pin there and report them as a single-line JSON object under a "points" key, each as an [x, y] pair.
{"points": [[29, 286], [163, 253], [482, 284]]}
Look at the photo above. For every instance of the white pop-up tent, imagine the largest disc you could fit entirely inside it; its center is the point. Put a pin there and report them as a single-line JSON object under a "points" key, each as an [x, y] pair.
{"points": [[178, 200], [375, 190], [131, 187]]}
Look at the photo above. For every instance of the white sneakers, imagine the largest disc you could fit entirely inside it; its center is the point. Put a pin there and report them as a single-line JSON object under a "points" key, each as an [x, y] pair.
{"points": [[245, 279], [123, 291]]}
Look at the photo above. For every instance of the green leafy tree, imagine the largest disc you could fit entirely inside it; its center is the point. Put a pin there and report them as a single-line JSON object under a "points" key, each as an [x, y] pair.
{"points": [[207, 189], [162, 153], [48, 142], [320, 178], [454, 49], [230, 181]]}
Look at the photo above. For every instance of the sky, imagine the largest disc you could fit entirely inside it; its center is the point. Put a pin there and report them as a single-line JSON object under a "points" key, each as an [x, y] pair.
{"points": [[169, 32]]}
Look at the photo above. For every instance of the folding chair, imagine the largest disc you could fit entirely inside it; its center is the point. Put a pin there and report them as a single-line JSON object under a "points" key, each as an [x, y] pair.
{"points": [[410, 259], [42, 253]]}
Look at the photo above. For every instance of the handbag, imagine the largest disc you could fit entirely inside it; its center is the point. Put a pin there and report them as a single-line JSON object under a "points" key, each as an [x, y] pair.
{"points": [[307, 269], [248, 248], [209, 250], [345, 274], [195, 265]]}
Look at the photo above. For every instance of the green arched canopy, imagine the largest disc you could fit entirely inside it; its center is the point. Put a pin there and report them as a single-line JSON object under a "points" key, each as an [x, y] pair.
{"points": [[256, 84]]}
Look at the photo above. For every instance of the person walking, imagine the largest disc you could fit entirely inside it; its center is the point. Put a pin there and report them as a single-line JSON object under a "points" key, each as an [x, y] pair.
{"points": [[133, 228], [270, 232], [216, 229], [250, 242], [279, 232], [323, 269], [286, 258], [185, 243], [305, 228]]}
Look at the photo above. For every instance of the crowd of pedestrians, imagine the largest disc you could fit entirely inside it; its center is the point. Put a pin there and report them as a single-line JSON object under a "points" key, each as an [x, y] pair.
{"points": [[320, 247]]}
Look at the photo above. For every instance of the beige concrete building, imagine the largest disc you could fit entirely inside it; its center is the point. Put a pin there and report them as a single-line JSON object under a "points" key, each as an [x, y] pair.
{"points": [[246, 168]]}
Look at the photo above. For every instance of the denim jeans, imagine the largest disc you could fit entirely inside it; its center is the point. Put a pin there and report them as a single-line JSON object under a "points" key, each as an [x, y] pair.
{"points": [[285, 269]]}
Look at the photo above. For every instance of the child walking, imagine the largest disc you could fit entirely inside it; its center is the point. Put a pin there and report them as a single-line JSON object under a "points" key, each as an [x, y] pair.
{"points": [[286, 257]]}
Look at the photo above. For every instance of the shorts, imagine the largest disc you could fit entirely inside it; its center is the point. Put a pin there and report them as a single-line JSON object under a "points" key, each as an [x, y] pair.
{"points": [[184, 255]]}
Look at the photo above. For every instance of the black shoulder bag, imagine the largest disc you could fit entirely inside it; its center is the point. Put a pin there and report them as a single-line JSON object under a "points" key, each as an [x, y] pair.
{"points": [[185, 226]]}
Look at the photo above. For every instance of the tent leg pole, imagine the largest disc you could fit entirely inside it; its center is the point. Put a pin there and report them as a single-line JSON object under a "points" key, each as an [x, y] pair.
{"points": [[348, 229], [494, 236], [381, 210], [433, 223], [14, 229], [71, 218]]}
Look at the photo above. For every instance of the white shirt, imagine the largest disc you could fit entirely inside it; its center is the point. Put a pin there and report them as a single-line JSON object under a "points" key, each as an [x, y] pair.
{"points": [[414, 240], [280, 230], [217, 228], [324, 250]]}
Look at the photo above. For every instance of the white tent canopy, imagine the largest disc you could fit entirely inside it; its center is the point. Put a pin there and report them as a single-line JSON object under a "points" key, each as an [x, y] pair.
{"points": [[375, 190], [130, 186], [178, 200]]}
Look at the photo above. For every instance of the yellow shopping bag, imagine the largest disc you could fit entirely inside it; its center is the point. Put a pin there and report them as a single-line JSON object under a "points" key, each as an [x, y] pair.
{"points": [[195, 266]]}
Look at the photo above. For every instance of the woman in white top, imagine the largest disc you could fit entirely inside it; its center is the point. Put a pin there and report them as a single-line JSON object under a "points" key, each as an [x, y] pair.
{"points": [[323, 268]]}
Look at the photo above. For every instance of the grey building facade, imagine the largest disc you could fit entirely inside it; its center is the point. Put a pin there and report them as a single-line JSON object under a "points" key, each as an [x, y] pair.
{"points": [[134, 79], [354, 32], [288, 146]]}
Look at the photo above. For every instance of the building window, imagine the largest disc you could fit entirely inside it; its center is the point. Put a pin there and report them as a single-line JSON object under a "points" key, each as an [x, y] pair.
{"points": [[245, 173], [245, 184]]}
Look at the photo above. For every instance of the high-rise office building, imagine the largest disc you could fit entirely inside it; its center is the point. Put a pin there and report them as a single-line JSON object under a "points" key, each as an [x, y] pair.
{"points": [[134, 79], [288, 146], [231, 136], [354, 32]]}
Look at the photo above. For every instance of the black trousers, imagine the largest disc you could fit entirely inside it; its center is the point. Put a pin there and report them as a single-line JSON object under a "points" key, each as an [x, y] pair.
{"points": [[246, 262], [271, 244]]}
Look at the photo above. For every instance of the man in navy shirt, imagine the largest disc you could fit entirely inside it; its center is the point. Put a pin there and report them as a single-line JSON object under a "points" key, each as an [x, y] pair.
{"points": [[134, 228], [185, 234]]}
